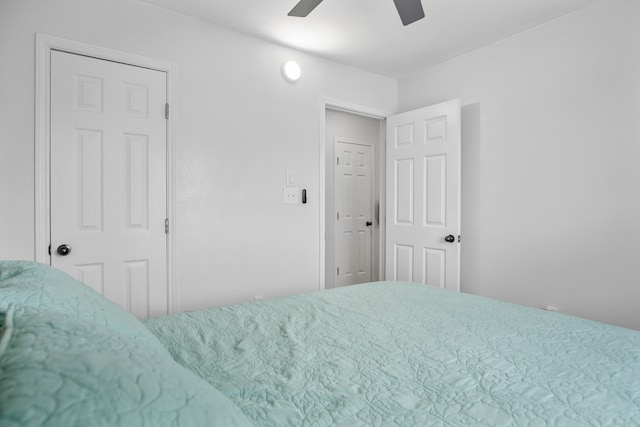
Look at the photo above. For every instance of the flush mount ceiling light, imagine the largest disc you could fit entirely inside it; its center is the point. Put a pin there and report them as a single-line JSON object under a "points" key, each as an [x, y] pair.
{"points": [[291, 71]]}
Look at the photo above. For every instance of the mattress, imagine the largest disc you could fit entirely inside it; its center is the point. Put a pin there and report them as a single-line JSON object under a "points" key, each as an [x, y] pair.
{"points": [[403, 354]]}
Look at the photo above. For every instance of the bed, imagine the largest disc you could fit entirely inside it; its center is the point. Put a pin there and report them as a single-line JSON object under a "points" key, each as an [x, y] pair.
{"points": [[375, 354]]}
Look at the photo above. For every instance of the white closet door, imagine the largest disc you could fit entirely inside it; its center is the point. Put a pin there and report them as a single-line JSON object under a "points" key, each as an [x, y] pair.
{"points": [[354, 212], [108, 179]]}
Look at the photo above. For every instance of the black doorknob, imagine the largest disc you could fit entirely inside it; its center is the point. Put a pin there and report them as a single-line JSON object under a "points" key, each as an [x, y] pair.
{"points": [[369, 223], [449, 238], [63, 250]]}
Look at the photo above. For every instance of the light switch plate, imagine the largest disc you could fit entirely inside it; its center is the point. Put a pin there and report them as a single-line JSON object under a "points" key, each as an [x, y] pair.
{"points": [[290, 195], [291, 178]]}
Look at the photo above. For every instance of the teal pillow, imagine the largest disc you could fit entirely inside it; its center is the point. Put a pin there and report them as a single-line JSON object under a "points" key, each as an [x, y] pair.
{"points": [[58, 370], [37, 285]]}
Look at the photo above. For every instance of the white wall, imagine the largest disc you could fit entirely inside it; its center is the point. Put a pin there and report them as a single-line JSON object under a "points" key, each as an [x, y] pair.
{"points": [[239, 127], [551, 162], [550, 151], [339, 124]]}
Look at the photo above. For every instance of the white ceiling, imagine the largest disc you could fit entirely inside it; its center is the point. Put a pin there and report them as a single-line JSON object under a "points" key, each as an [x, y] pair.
{"points": [[368, 34]]}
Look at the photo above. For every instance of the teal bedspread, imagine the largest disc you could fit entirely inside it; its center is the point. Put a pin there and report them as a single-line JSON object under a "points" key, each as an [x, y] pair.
{"points": [[400, 354], [71, 358]]}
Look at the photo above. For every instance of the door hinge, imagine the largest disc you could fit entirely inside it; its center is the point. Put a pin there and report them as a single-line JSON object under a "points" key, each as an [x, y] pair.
{"points": [[166, 111], [337, 160], [458, 238], [49, 249], [337, 216], [338, 271], [166, 226]]}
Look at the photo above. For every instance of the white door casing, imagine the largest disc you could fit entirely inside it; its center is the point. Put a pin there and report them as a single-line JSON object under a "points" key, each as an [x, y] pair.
{"points": [[108, 179], [353, 193], [326, 169], [423, 196]]}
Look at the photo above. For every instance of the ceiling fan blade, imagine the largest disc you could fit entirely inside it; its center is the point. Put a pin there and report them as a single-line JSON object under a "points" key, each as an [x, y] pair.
{"points": [[410, 11], [304, 7]]}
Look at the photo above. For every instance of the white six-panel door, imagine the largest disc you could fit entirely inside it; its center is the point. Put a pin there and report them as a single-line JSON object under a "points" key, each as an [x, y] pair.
{"points": [[354, 212], [423, 196], [108, 179]]}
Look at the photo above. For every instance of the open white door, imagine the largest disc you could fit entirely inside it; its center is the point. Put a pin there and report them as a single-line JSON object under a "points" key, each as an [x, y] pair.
{"points": [[108, 179], [423, 196]]}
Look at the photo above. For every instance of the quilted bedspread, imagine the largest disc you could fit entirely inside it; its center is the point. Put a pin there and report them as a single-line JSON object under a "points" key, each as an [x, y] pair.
{"points": [[71, 358], [401, 354]]}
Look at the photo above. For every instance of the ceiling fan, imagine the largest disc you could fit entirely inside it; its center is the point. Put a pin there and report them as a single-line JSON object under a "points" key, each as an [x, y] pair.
{"points": [[410, 11]]}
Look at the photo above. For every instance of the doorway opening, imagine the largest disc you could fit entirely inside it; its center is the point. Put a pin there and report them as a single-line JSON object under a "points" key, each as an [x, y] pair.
{"points": [[354, 196]]}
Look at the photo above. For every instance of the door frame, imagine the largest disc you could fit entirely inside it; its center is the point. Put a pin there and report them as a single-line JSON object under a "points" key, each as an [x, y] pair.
{"points": [[359, 110], [44, 45], [375, 263]]}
